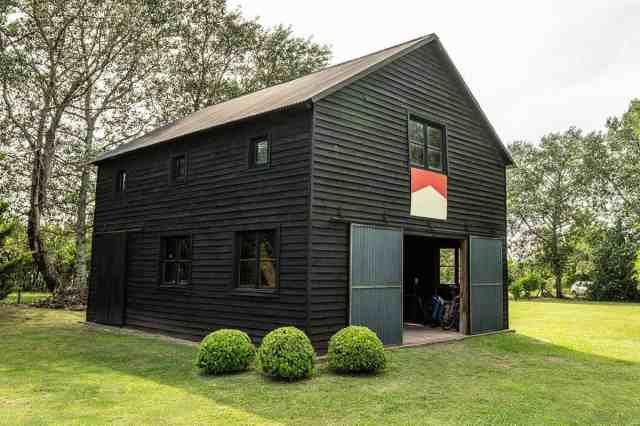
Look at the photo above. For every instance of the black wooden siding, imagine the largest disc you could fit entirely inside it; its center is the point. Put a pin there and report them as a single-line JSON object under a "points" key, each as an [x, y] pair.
{"points": [[360, 171], [221, 196]]}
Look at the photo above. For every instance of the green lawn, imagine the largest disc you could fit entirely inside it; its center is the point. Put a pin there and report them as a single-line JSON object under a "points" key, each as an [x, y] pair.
{"points": [[26, 297], [569, 363]]}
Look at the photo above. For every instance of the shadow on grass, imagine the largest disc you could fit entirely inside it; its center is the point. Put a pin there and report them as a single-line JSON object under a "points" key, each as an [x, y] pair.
{"points": [[489, 366], [572, 301]]}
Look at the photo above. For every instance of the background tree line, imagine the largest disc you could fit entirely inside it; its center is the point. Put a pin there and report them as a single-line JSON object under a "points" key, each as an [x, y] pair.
{"points": [[81, 76], [574, 210]]}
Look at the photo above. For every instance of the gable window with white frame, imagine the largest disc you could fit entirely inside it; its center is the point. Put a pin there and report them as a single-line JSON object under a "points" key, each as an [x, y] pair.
{"points": [[260, 153], [427, 145]]}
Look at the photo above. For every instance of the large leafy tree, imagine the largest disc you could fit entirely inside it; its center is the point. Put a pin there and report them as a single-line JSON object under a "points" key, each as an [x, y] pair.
{"points": [[547, 202], [113, 106], [216, 54], [613, 165], [53, 53]]}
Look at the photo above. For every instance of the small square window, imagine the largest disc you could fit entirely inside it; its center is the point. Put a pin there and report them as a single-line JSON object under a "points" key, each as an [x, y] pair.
{"points": [[121, 181], [179, 169], [260, 153]]}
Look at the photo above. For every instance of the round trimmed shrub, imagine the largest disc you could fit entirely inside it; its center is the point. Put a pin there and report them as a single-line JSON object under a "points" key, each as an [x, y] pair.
{"points": [[356, 349], [225, 351], [286, 353]]}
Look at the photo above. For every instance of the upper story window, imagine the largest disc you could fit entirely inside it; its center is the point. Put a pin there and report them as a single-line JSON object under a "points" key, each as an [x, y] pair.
{"points": [[179, 168], [427, 145], [260, 156], [257, 259], [175, 263], [121, 181]]}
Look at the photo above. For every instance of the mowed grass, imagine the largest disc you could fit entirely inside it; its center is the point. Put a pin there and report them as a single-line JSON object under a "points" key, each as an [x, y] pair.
{"points": [[26, 297], [569, 363]]}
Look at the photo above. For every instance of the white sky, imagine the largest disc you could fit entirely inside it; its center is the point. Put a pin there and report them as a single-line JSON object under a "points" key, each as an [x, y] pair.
{"points": [[534, 66]]}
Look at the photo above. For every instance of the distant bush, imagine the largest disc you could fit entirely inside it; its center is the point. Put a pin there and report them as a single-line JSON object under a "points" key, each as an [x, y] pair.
{"points": [[225, 351], [286, 353], [517, 290], [530, 283], [615, 276], [356, 349]]}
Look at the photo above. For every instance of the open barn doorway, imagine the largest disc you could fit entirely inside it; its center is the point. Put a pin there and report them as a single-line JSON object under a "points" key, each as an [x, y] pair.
{"points": [[434, 305]]}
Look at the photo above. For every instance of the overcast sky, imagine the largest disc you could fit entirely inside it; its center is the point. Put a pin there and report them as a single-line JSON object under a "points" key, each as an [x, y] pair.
{"points": [[534, 66]]}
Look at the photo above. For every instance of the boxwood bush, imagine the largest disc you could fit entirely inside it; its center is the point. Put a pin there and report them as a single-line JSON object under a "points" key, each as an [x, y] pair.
{"points": [[286, 353], [356, 349], [225, 351]]}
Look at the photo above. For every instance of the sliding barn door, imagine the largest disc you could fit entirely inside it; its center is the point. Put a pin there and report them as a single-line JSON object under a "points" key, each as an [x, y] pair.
{"points": [[486, 276], [376, 281], [110, 264]]}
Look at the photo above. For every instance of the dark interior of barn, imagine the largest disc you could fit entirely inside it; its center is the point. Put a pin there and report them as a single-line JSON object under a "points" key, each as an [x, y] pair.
{"points": [[431, 285]]}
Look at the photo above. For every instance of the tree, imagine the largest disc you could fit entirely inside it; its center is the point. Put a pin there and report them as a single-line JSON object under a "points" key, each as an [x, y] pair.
{"points": [[8, 260], [546, 198], [613, 164], [216, 54], [52, 53], [615, 256], [113, 105]]}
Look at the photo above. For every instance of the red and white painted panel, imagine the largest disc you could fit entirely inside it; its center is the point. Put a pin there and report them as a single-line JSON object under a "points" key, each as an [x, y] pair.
{"points": [[428, 194]]}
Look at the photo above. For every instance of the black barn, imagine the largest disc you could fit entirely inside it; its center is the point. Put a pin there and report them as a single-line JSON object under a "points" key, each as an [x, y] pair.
{"points": [[351, 195]]}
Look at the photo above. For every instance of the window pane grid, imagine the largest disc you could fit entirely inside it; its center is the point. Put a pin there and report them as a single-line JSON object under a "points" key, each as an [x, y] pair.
{"points": [[257, 263], [261, 153], [426, 145], [176, 261]]}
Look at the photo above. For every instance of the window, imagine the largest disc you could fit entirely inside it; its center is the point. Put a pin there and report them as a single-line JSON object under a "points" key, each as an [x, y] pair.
{"points": [[426, 145], [448, 265], [179, 169], [260, 153], [257, 260], [121, 181], [176, 261]]}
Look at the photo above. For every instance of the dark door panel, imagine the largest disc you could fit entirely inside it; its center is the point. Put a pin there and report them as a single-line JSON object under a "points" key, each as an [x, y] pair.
{"points": [[110, 254]]}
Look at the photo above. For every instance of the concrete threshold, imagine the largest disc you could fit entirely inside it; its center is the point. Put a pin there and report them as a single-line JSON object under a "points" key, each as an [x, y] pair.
{"points": [[447, 339]]}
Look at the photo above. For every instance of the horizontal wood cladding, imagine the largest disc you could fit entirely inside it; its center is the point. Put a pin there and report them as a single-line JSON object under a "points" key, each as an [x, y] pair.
{"points": [[221, 195], [360, 169]]}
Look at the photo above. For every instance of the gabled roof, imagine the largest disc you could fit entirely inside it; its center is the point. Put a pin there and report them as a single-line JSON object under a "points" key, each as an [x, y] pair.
{"points": [[310, 87]]}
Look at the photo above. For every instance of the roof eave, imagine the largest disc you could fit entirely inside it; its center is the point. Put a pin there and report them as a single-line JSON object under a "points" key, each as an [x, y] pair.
{"points": [[113, 156]]}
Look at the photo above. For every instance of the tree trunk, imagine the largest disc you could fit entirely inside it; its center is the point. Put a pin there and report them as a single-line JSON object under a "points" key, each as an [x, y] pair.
{"points": [[80, 278], [558, 276], [39, 177], [80, 273], [556, 260]]}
